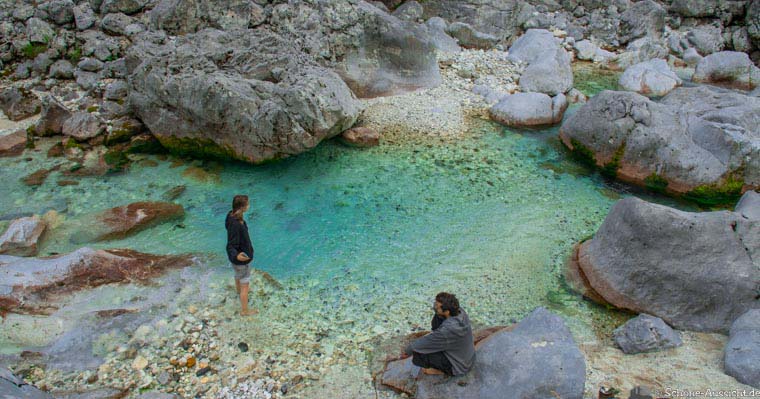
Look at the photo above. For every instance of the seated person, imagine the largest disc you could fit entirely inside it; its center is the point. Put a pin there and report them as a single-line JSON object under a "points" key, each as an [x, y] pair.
{"points": [[449, 349]]}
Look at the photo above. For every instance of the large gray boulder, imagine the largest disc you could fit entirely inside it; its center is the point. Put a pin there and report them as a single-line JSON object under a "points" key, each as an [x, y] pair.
{"points": [[753, 22], [676, 265], [13, 387], [500, 18], [242, 94], [707, 39], [52, 117], [645, 333], [742, 353], [733, 68], [650, 78], [84, 16], [179, 17], [469, 37], [532, 45], [83, 125], [643, 18], [707, 8], [548, 69], [122, 6], [529, 109], [441, 40], [537, 359], [701, 142]]}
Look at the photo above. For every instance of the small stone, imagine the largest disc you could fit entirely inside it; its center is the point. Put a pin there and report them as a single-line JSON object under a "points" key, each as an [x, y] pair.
{"points": [[203, 371], [243, 347], [164, 378], [139, 363], [191, 361]]}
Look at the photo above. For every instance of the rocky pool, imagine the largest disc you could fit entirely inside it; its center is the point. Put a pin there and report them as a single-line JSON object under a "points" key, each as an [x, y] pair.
{"points": [[359, 241]]}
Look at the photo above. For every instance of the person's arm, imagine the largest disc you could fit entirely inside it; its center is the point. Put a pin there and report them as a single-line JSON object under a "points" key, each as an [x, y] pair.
{"points": [[436, 341], [233, 242], [437, 321]]}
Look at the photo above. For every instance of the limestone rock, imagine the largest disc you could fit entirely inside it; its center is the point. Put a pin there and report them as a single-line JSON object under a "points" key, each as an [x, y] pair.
{"points": [[38, 285], [701, 142], [18, 104], [645, 333], [550, 74], [84, 16], [115, 23], [729, 67], [410, 10], [643, 18], [653, 259], [13, 144], [38, 31], [529, 109], [61, 69], [52, 117], [360, 137], [707, 39], [441, 40], [650, 78], [122, 6], [742, 353], [469, 37], [22, 236], [83, 125], [243, 95], [13, 387], [123, 221]]}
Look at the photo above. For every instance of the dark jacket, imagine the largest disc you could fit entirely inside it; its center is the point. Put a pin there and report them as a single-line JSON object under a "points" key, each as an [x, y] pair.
{"points": [[237, 239], [453, 337]]}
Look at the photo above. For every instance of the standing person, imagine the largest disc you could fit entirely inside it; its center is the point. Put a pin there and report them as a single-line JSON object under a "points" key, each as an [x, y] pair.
{"points": [[240, 250], [449, 349]]}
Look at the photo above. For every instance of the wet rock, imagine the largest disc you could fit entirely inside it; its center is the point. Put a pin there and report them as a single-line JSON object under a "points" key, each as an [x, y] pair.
{"points": [[243, 347], [537, 358], [13, 144], [650, 78], [645, 333], [441, 40], [469, 37], [59, 205], [61, 69], [122, 6], [52, 118], [728, 67], [742, 353], [698, 141], [123, 221], [38, 177], [653, 259], [38, 285], [18, 104], [83, 125], [247, 113], [360, 137], [13, 387], [173, 193], [22, 236], [529, 109], [84, 16]]}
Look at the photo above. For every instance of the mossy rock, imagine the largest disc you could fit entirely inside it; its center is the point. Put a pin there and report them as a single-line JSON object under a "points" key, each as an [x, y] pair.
{"points": [[717, 194], [71, 143], [610, 169], [582, 153], [197, 148], [656, 183], [116, 159]]}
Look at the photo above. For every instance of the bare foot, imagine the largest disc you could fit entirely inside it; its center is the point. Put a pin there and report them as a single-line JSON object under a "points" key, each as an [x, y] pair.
{"points": [[249, 312], [432, 371]]}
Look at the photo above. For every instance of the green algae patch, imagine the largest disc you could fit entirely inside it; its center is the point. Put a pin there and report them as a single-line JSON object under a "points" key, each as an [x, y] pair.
{"points": [[717, 194], [116, 159], [656, 183], [591, 80], [582, 153], [610, 169], [196, 148]]}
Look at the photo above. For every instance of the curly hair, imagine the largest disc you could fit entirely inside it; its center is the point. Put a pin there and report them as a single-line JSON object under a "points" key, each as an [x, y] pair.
{"points": [[448, 302]]}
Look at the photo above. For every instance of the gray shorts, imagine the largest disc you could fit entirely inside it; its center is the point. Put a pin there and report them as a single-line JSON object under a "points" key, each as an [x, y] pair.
{"points": [[242, 273]]}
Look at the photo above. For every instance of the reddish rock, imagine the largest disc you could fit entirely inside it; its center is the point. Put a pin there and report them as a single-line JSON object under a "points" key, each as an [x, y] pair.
{"points": [[38, 177], [12, 144], [37, 285], [53, 115], [360, 137], [126, 220], [22, 236]]}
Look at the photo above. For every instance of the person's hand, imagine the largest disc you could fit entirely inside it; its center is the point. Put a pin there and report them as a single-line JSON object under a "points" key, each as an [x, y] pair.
{"points": [[242, 257]]}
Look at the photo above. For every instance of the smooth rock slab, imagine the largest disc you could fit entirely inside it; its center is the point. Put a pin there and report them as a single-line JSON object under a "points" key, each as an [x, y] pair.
{"points": [[37, 285], [645, 333], [529, 109], [123, 221], [729, 67], [742, 353], [538, 359], [653, 259], [650, 78], [22, 236]]}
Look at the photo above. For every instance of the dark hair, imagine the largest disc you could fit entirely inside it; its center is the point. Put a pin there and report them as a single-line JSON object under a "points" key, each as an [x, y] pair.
{"points": [[448, 302], [238, 203]]}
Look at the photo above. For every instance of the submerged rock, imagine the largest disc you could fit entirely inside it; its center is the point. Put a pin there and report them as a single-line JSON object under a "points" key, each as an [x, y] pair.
{"points": [[13, 144], [538, 358], [699, 142], [22, 236], [123, 221], [645, 333], [36, 285], [742, 353], [650, 78], [653, 259], [13, 387], [529, 109], [243, 94]]}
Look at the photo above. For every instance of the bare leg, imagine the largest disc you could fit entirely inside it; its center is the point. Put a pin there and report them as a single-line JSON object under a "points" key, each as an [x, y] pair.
{"points": [[237, 286], [244, 311]]}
